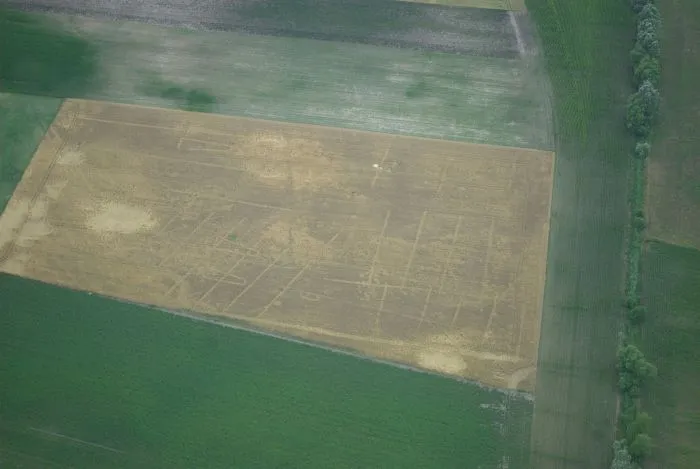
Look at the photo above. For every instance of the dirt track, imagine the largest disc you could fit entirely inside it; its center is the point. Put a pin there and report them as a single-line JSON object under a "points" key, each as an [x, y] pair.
{"points": [[421, 251]]}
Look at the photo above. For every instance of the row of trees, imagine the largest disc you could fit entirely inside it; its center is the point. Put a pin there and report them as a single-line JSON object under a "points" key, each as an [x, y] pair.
{"points": [[634, 443]]}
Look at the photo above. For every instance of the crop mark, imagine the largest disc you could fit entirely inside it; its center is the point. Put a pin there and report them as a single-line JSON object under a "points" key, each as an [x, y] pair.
{"points": [[381, 163], [489, 248], [186, 241], [455, 235], [370, 278], [222, 278], [284, 290], [443, 178], [413, 249], [184, 135], [130, 124], [77, 440], [521, 319], [204, 164], [457, 310], [378, 318], [387, 285], [251, 284], [425, 308], [496, 298], [297, 276]]}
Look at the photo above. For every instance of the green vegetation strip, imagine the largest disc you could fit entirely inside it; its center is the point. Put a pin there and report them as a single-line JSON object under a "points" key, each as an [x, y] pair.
{"points": [[23, 123], [89, 382], [634, 443], [586, 51]]}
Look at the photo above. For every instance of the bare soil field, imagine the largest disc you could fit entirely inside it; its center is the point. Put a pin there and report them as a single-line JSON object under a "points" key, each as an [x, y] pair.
{"points": [[420, 251]]}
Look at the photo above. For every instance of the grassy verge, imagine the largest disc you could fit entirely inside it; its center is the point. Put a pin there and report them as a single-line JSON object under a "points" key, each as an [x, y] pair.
{"points": [[586, 47], [671, 276], [23, 123], [155, 390]]}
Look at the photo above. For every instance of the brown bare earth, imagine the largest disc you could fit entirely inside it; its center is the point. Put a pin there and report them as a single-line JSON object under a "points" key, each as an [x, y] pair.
{"points": [[425, 252]]}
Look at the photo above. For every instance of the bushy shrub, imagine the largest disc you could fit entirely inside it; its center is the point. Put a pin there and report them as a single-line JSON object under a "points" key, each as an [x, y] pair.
{"points": [[640, 447], [634, 370], [641, 150], [642, 109], [640, 424], [648, 38], [638, 5], [628, 410], [650, 12], [637, 315], [639, 221], [621, 458], [647, 68]]}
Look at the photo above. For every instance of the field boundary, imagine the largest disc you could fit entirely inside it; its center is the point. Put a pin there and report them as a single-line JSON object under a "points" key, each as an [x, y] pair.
{"points": [[487, 330], [240, 325]]}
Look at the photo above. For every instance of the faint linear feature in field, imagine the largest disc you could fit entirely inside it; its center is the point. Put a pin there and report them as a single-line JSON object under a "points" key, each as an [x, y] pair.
{"points": [[420, 251], [509, 5]]}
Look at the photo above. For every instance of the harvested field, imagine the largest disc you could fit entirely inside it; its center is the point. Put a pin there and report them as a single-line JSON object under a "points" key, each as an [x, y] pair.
{"points": [[419, 251]]}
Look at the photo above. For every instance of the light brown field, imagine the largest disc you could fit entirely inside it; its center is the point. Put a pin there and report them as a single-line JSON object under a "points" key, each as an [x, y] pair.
{"points": [[426, 252], [509, 5]]}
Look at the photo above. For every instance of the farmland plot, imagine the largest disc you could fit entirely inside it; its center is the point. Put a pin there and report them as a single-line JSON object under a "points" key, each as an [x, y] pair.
{"points": [[414, 250], [411, 92], [90, 382]]}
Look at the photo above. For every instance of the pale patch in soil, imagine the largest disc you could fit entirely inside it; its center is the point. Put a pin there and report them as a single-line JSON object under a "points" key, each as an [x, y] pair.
{"points": [[71, 157], [442, 361], [119, 218]]}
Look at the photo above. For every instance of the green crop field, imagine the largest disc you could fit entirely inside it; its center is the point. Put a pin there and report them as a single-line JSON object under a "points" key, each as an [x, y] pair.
{"points": [[90, 382], [674, 166], [353, 85], [670, 339], [23, 122], [586, 47], [671, 273]]}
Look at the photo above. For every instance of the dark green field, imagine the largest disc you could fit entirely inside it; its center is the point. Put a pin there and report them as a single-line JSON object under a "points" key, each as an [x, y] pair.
{"points": [[671, 273], [23, 122], [586, 47], [157, 390], [671, 289], [674, 165]]}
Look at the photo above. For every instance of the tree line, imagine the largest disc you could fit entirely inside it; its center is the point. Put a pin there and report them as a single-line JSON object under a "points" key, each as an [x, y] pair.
{"points": [[633, 443]]}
